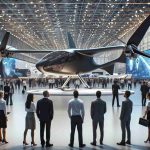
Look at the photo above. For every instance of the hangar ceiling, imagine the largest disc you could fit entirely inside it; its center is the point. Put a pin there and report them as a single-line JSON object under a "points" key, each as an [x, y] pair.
{"points": [[43, 24]]}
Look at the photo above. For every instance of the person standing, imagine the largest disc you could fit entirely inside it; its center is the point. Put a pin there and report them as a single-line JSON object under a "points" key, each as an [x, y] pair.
{"points": [[11, 92], [45, 112], [98, 109], [76, 115], [125, 118], [30, 119], [144, 90], [147, 113], [115, 88], [1, 84], [3, 118], [6, 92]]}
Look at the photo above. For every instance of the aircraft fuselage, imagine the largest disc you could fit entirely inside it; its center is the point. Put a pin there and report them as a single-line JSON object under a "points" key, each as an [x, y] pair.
{"points": [[65, 62]]}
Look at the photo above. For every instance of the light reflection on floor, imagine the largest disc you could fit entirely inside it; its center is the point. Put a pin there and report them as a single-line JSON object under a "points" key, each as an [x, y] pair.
{"points": [[60, 131]]}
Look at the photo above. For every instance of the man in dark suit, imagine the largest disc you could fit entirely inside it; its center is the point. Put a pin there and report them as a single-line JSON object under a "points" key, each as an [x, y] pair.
{"points": [[144, 90], [6, 92], [115, 88], [98, 109], [44, 112], [125, 118]]}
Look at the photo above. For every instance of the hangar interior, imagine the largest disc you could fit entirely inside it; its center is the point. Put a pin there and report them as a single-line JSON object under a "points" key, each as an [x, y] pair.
{"points": [[43, 25]]}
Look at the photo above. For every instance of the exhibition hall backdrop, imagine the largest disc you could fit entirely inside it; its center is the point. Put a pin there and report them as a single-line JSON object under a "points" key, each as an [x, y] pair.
{"points": [[139, 67]]}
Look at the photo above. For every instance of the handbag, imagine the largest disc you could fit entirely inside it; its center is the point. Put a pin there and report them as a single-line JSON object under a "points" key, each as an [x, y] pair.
{"points": [[144, 122]]}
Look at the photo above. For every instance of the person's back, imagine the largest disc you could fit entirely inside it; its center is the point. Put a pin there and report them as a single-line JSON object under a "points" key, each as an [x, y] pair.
{"points": [[76, 106], [45, 108], [44, 111], [127, 110], [115, 88], [99, 108], [76, 115]]}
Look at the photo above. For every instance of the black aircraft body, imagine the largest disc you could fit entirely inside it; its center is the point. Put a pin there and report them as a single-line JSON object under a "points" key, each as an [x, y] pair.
{"points": [[74, 61]]}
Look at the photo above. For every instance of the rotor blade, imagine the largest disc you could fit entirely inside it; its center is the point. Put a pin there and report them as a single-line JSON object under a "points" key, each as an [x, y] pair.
{"points": [[141, 53], [140, 32], [4, 41]]}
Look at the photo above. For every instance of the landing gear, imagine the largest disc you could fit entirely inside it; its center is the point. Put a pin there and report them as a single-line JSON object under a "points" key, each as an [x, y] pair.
{"points": [[79, 77]]}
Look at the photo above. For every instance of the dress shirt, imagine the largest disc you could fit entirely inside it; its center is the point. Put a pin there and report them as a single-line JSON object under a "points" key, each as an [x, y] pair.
{"points": [[3, 106], [76, 108], [31, 109]]}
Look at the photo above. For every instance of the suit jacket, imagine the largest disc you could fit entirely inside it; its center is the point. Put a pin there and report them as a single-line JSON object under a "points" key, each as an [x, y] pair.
{"points": [[44, 109], [98, 109], [144, 89], [126, 110], [6, 89], [115, 88]]}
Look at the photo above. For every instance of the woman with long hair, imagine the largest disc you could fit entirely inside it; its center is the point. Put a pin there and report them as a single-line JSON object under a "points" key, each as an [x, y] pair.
{"points": [[147, 113], [30, 119]]}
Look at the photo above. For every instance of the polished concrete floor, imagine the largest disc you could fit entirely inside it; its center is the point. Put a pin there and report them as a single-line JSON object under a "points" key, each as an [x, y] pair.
{"points": [[60, 130]]}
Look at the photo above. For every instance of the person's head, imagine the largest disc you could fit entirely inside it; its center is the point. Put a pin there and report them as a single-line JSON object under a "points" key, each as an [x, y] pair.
{"points": [[30, 98], [46, 94], [115, 81], [98, 94], [127, 94], [143, 82], [75, 94], [1, 94], [148, 95]]}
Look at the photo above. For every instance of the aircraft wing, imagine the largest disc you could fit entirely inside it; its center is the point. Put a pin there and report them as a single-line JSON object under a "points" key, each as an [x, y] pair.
{"points": [[93, 51], [29, 51]]}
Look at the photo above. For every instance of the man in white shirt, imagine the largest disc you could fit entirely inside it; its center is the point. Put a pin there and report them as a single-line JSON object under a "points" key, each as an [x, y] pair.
{"points": [[76, 114]]}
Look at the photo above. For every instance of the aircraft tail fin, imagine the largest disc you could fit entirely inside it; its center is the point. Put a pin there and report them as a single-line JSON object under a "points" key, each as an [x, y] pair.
{"points": [[4, 41], [71, 43]]}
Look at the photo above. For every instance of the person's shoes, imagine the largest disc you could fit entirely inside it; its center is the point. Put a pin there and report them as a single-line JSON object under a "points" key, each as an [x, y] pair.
{"points": [[33, 144], [101, 143], [93, 143], [147, 140], [121, 143], [128, 142], [70, 145], [81, 146], [25, 143], [42, 145], [49, 145], [4, 141]]}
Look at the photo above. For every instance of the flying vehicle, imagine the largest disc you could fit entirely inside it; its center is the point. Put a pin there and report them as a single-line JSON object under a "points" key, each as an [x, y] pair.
{"points": [[73, 61]]}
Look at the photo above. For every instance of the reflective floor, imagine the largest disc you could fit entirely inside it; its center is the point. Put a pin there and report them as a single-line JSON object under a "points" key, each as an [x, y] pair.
{"points": [[60, 130]]}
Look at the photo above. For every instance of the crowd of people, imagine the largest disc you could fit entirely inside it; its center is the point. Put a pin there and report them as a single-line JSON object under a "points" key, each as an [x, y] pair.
{"points": [[45, 111]]}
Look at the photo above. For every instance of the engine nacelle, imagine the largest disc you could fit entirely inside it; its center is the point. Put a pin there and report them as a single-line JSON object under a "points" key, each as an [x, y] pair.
{"points": [[129, 52]]}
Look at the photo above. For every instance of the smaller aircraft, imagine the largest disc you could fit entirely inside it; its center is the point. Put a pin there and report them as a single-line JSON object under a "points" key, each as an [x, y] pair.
{"points": [[75, 61]]}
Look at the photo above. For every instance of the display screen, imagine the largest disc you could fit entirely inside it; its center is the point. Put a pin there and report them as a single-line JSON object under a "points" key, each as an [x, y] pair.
{"points": [[9, 69], [139, 67]]}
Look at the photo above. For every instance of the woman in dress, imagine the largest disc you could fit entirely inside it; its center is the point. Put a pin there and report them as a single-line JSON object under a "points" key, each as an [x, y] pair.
{"points": [[30, 119], [3, 118], [147, 113]]}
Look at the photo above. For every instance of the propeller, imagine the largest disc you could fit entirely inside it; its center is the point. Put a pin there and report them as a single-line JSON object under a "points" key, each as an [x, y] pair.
{"points": [[132, 44], [5, 52]]}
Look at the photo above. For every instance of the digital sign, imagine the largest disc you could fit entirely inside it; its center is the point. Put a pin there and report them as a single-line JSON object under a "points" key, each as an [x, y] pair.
{"points": [[139, 67]]}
